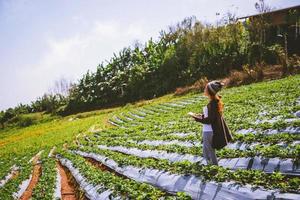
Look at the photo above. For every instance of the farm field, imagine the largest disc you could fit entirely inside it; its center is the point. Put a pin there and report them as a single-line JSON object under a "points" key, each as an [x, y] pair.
{"points": [[153, 150]]}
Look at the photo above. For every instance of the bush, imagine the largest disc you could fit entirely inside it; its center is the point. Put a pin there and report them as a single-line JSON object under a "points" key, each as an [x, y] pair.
{"points": [[271, 54], [237, 78], [276, 53], [255, 73], [294, 63], [26, 121], [246, 76]]}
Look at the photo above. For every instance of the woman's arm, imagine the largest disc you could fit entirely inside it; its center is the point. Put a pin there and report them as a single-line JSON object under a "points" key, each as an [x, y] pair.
{"points": [[211, 113], [198, 117]]}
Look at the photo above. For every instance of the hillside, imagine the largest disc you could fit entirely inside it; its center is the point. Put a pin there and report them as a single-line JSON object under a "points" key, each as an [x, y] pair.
{"points": [[152, 150]]}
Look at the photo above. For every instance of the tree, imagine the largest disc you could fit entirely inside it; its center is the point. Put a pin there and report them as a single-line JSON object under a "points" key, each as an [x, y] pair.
{"points": [[257, 29], [2, 120], [8, 114], [61, 86]]}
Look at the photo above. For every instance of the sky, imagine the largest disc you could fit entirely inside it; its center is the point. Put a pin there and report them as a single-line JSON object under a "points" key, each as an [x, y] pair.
{"points": [[44, 41]]}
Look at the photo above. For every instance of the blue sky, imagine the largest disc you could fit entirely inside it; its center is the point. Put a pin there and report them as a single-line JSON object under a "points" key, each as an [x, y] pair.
{"points": [[43, 41]]}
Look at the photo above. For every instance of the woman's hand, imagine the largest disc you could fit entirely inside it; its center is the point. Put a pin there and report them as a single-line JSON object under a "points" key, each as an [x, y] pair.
{"points": [[196, 116]]}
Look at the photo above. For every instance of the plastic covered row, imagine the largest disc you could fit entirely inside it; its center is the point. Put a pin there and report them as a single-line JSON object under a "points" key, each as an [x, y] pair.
{"points": [[194, 186], [268, 165]]}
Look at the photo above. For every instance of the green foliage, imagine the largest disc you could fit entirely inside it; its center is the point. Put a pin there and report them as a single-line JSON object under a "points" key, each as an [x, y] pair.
{"points": [[48, 103], [181, 56], [12, 185], [120, 186], [47, 181], [26, 121], [20, 115], [162, 118]]}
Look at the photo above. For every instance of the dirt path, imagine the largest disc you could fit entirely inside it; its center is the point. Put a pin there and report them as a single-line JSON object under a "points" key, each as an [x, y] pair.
{"points": [[36, 173], [68, 191]]}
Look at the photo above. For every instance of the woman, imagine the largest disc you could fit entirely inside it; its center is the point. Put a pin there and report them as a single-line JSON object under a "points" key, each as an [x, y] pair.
{"points": [[216, 134]]}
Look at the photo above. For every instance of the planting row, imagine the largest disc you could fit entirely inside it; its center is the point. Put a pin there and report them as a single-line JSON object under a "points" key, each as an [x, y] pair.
{"points": [[268, 165], [135, 166]]}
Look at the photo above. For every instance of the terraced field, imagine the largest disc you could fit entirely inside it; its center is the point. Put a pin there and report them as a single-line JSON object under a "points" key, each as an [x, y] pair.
{"points": [[155, 152]]}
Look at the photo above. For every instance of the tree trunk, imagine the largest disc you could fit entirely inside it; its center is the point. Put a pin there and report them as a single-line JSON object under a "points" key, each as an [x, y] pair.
{"points": [[285, 64]]}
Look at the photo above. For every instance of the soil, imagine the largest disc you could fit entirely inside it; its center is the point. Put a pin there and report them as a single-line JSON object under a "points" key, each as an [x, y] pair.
{"points": [[37, 171], [67, 187], [104, 168]]}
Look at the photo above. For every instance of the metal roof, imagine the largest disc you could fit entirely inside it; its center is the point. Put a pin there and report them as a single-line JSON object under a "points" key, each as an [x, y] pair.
{"points": [[273, 11]]}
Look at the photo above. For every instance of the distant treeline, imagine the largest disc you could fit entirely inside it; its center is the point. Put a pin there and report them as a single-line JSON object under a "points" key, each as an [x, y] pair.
{"points": [[181, 55]]}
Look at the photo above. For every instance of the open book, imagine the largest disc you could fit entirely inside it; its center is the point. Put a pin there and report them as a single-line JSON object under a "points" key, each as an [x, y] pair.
{"points": [[195, 115]]}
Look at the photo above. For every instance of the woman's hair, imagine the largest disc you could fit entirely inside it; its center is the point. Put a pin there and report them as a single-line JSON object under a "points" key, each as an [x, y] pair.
{"points": [[219, 99], [220, 103]]}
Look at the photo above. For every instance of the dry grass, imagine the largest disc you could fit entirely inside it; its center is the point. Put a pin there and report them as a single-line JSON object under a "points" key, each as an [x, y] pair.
{"points": [[196, 87], [246, 76]]}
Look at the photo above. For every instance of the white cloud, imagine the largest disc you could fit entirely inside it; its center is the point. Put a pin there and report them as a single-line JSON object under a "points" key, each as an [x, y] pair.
{"points": [[71, 57], [74, 55]]}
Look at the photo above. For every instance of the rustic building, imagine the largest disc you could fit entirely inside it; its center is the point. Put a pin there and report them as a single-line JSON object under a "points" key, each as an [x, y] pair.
{"points": [[280, 26]]}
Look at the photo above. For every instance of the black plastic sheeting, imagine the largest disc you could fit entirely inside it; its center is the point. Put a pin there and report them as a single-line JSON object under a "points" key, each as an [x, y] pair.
{"points": [[194, 186], [285, 166]]}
